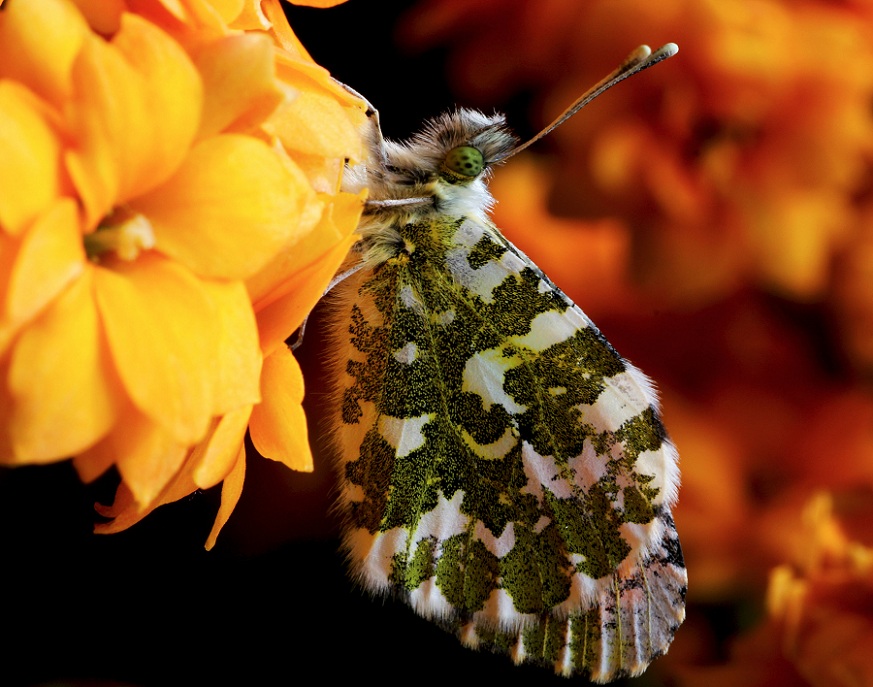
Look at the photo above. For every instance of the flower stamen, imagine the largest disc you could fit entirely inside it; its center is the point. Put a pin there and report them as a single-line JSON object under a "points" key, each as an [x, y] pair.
{"points": [[126, 238]]}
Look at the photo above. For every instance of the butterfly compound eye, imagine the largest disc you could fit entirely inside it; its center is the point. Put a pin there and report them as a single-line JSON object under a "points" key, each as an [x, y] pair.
{"points": [[463, 163]]}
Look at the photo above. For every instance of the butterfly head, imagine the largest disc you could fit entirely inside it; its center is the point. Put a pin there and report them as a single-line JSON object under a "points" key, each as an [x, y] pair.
{"points": [[441, 169]]}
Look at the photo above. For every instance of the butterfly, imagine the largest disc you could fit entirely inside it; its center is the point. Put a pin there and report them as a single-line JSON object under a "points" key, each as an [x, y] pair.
{"points": [[502, 469]]}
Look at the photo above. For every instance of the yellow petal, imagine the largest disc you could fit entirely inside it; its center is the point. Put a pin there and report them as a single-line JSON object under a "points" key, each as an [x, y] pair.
{"points": [[216, 457], [278, 423], [274, 13], [304, 274], [251, 17], [50, 257], [9, 248], [176, 477], [147, 457], [181, 16], [228, 10], [175, 7], [162, 330], [173, 92], [237, 367], [314, 122], [294, 59], [65, 392], [154, 472], [231, 490], [136, 110], [239, 83], [325, 174], [230, 207], [302, 70], [93, 462], [203, 467], [794, 249], [270, 282], [123, 510], [30, 154], [104, 16], [39, 40]]}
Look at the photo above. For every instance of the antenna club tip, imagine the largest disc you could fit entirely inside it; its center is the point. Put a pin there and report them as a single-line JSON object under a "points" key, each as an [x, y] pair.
{"points": [[668, 50]]}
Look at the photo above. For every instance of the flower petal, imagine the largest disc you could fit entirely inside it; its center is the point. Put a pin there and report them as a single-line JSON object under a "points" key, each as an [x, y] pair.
{"points": [[251, 18], [172, 90], [147, 456], [794, 246], [228, 10], [314, 122], [216, 457], [65, 391], [181, 16], [237, 367], [152, 468], [123, 149], [303, 275], [207, 464], [104, 16], [239, 83], [231, 206], [174, 7], [278, 423], [9, 248], [274, 13], [123, 510], [231, 490], [39, 41], [51, 255], [29, 174], [162, 330], [293, 55]]}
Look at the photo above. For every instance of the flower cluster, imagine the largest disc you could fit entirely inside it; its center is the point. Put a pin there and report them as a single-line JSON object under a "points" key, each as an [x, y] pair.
{"points": [[170, 212], [718, 211], [819, 631]]}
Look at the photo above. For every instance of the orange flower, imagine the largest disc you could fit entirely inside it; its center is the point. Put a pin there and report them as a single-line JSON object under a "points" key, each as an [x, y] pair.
{"points": [[161, 234], [819, 631], [747, 148]]}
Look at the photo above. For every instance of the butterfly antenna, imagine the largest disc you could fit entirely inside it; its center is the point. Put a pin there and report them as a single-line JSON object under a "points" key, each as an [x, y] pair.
{"points": [[640, 59]]}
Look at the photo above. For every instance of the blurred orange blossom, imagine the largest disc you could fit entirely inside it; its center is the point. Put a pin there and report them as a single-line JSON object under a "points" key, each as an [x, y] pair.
{"points": [[171, 212], [692, 156], [819, 629]]}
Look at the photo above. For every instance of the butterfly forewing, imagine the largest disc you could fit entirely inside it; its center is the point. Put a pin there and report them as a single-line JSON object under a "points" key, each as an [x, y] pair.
{"points": [[502, 468]]}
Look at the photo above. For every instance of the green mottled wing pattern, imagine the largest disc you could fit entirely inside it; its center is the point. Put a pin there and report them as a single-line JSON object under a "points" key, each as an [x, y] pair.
{"points": [[502, 467]]}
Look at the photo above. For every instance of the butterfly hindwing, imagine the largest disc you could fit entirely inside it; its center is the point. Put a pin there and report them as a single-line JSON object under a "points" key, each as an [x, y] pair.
{"points": [[502, 468]]}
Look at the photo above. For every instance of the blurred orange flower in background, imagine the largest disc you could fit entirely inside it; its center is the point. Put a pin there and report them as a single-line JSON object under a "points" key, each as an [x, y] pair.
{"points": [[819, 630], [158, 171], [718, 214]]}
